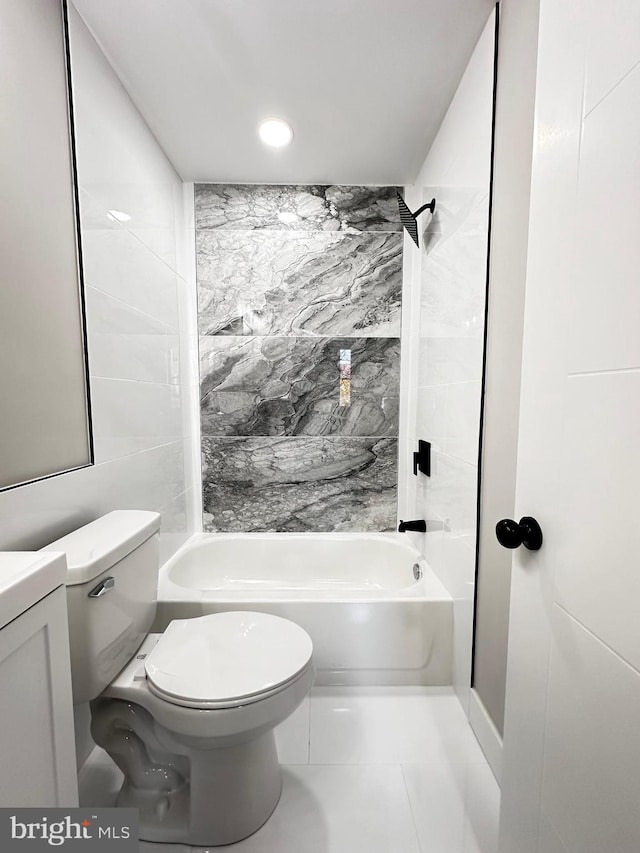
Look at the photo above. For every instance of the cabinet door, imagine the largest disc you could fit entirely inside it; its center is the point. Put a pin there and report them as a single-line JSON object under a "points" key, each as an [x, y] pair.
{"points": [[37, 747]]}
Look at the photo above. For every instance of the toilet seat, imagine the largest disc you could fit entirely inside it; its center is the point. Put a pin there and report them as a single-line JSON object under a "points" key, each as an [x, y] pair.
{"points": [[226, 660]]}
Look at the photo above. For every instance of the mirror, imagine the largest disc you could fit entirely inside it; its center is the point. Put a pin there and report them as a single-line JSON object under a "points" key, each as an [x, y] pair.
{"points": [[45, 427]]}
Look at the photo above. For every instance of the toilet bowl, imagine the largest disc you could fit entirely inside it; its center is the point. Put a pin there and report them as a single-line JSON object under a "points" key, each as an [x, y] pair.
{"points": [[189, 714], [207, 693]]}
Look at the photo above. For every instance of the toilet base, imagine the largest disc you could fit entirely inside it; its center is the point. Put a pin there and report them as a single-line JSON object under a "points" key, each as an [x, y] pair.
{"points": [[237, 788], [185, 795]]}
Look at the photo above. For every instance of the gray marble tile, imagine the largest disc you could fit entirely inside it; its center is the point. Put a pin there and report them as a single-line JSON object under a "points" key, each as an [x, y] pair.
{"points": [[291, 386], [301, 208], [299, 484], [299, 283]]}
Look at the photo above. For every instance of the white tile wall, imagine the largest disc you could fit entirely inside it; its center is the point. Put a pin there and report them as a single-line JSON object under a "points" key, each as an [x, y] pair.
{"points": [[463, 413], [116, 262], [141, 354], [139, 286], [612, 47], [449, 272], [125, 343]]}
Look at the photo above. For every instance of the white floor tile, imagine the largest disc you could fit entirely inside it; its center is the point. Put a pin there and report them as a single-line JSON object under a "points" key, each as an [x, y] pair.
{"points": [[436, 794], [292, 737], [338, 810], [389, 726], [443, 799], [455, 806]]}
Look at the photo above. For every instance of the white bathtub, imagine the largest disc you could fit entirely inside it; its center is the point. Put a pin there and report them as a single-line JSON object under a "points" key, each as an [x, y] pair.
{"points": [[370, 619]]}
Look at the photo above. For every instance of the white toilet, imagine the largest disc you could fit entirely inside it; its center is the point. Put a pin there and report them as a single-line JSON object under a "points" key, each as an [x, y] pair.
{"points": [[187, 715]]}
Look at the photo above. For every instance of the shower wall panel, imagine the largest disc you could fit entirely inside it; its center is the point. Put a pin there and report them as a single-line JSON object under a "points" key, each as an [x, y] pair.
{"points": [[449, 273], [299, 300]]}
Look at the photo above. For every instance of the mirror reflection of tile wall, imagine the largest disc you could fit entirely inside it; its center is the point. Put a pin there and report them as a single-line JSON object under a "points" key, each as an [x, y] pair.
{"points": [[299, 300], [45, 427]]}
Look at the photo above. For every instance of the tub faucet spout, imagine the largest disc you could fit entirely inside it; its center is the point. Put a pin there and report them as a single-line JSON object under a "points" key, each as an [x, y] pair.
{"points": [[419, 526]]}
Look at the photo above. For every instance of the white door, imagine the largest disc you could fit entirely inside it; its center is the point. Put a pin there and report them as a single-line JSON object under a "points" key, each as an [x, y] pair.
{"points": [[571, 760]]}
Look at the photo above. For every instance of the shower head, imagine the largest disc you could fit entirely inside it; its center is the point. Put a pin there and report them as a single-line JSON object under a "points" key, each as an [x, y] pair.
{"points": [[410, 220]]}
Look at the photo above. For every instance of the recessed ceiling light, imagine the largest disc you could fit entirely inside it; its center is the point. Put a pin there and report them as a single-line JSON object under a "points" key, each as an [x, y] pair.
{"points": [[275, 132]]}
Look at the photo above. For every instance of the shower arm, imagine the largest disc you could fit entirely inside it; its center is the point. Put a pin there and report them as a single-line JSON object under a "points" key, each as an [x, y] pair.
{"points": [[429, 206]]}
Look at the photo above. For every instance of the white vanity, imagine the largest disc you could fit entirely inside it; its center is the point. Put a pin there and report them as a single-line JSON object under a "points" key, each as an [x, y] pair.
{"points": [[37, 747]]}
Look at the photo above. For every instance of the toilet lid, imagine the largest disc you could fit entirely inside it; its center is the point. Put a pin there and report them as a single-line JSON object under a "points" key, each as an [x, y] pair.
{"points": [[213, 661]]}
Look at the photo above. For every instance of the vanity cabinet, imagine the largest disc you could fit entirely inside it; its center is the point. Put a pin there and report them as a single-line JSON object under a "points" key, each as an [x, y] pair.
{"points": [[37, 746]]}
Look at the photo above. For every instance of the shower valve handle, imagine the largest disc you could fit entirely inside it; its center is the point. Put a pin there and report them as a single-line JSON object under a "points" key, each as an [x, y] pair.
{"points": [[512, 534]]}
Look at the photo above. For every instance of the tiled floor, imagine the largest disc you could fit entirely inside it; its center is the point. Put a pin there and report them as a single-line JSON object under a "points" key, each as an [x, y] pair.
{"points": [[381, 770]]}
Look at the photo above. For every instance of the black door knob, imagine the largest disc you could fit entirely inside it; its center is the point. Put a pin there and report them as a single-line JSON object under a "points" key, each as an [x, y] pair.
{"points": [[512, 534]]}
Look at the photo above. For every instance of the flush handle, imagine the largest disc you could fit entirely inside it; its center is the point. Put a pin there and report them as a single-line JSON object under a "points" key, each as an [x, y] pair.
{"points": [[102, 588], [512, 534]]}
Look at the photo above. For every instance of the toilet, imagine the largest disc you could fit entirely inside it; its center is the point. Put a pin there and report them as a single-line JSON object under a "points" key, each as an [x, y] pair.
{"points": [[188, 715]]}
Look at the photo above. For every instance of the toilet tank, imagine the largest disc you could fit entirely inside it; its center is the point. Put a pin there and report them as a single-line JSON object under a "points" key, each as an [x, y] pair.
{"points": [[112, 583]]}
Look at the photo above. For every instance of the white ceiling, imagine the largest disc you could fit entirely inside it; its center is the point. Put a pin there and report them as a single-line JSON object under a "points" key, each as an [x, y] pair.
{"points": [[364, 83]]}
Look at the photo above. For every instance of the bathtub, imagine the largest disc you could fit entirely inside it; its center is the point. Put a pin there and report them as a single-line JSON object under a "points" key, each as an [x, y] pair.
{"points": [[373, 607]]}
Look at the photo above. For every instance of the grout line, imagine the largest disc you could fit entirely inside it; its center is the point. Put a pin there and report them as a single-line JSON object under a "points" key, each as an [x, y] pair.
{"points": [[455, 384], [138, 381], [130, 307], [411, 810], [176, 441], [300, 435], [612, 89], [611, 371], [598, 639], [173, 227], [295, 231], [307, 337], [173, 500], [268, 229], [141, 381]]}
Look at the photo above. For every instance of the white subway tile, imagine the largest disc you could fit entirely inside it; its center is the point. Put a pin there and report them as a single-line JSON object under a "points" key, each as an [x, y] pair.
{"points": [[133, 416], [462, 431]]}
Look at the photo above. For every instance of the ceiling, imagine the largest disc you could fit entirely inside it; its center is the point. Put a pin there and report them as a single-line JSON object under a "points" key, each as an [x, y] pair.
{"points": [[364, 83]]}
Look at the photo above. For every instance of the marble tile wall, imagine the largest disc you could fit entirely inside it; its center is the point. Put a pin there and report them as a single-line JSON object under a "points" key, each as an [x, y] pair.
{"points": [[299, 299]]}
